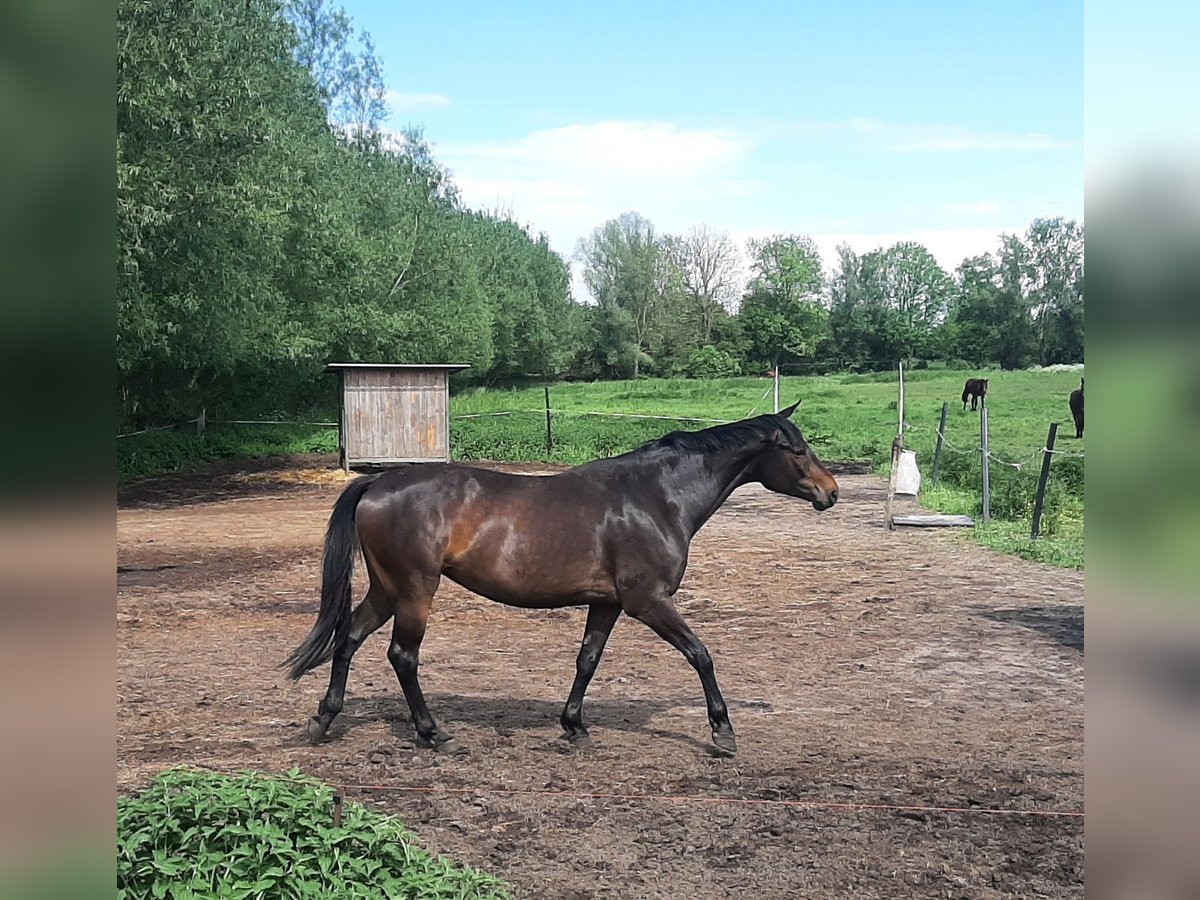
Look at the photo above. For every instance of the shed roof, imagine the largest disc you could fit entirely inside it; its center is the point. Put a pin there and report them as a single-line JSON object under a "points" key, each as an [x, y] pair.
{"points": [[453, 367]]}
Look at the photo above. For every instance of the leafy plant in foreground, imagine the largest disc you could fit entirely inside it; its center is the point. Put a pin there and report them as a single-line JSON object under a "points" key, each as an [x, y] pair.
{"points": [[201, 834]]}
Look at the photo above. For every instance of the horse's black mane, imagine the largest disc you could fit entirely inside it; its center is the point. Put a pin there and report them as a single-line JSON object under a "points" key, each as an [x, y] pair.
{"points": [[728, 437]]}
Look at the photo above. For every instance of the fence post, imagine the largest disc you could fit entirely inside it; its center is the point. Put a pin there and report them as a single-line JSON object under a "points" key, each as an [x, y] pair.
{"points": [[983, 456], [776, 387], [937, 452], [897, 446], [201, 421], [549, 431], [1044, 477]]}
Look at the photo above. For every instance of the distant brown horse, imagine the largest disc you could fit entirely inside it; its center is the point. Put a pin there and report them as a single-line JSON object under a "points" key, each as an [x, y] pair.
{"points": [[1076, 402], [976, 389], [611, 535]]}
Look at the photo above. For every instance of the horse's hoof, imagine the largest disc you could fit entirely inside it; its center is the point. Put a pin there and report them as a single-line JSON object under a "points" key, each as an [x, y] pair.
{"points": [[446, 745], [580, 742], [725, 744], [316, 731]]}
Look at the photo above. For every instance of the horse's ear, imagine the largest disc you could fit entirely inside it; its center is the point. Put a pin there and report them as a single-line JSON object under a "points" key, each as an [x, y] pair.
{"points": [[787, 413]]}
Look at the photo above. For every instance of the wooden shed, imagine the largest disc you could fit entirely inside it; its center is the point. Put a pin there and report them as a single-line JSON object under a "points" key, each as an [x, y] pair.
{"points": [[394, 413]]}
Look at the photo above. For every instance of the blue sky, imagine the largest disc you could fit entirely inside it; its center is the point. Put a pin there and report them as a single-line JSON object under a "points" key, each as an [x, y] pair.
{"points": [[860, 122]]}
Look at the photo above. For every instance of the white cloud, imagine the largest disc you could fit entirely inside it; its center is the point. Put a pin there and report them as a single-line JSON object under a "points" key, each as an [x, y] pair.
{"points": [[949, 246], [567, 180], [398, 102], [641, 149]]}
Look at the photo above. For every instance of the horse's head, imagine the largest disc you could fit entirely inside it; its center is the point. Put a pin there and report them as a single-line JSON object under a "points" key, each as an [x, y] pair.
{"points": [[788, 466]]}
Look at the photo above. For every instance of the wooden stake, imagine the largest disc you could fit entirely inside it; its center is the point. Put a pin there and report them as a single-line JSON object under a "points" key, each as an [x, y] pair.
{"points": [[1043, 478], [897, 446], [549, 432], [983, 456], [937, 452]]}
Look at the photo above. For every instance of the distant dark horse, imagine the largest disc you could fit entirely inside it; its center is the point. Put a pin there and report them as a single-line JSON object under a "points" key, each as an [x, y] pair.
{"points": [[611, 535], [1076, 401], [976, 389]]}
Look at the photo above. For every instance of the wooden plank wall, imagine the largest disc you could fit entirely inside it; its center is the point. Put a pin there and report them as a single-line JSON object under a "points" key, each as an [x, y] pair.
{"points": [[395, 415]]}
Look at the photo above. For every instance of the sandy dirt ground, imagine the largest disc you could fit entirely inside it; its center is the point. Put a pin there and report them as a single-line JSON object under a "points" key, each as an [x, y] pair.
{"points": [[862, 667]]}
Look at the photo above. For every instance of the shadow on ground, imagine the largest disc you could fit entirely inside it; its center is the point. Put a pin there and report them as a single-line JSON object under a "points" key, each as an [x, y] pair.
{"points": [[1063, 624]]}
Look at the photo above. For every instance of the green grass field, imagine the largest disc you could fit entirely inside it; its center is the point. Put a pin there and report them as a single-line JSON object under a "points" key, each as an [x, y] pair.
{"points": [[844, 417]]}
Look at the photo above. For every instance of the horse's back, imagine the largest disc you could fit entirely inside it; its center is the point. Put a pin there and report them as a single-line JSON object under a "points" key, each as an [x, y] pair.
{"points": [[520, 539]]}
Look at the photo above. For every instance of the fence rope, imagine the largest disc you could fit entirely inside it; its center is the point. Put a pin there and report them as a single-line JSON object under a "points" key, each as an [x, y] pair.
{"points": [[992, 456], [760, 400], [157, 428], [695, 798], [584, 412], [266, 422], [668, 798]]}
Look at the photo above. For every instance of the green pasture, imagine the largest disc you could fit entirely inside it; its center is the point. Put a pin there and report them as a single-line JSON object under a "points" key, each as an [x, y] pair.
{"points": [[844, 417]]}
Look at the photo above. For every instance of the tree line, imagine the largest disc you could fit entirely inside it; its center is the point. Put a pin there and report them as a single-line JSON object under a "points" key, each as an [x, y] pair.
{"points": [[267, 224], [682, 305]]}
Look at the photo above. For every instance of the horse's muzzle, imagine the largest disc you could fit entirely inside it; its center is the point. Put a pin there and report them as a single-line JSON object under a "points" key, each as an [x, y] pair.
{"points": [[822, 503]]}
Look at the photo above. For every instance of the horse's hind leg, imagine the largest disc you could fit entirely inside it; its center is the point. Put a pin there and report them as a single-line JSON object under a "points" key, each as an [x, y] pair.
{"points": [[600, 621], [664, 619], [375, 609], [408, 630]]}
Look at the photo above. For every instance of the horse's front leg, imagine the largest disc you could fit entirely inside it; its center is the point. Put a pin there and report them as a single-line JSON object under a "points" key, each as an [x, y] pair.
{"points": [[664, 619]]}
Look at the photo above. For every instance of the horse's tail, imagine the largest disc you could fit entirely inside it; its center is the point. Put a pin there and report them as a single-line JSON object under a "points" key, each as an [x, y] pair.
{"points": [[333, 619]]}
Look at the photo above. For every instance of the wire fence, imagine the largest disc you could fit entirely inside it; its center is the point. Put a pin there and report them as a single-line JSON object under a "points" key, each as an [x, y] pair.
{"points": [[457, 416], [978, 448]]}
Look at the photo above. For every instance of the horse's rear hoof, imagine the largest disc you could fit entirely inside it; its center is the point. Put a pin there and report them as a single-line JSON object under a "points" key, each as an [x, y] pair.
{"points": [[580, 742], [724, 744], [316, 731]]}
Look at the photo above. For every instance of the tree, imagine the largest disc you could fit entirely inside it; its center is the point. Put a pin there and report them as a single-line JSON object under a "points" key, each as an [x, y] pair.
{"points": [[349, 77], [211, 170], [990, 319], [1054, 282], [257, 239], [626, 272], [782, 311], [888, 304], [709, 268]]}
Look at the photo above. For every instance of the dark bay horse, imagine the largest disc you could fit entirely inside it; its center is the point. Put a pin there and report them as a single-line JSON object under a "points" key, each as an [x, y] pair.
{"points": [[976, 389], [611, 535], [1076, 403]]}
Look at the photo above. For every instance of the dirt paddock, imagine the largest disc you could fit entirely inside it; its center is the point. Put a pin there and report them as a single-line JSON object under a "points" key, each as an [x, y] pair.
{"points": [[862, 668]]}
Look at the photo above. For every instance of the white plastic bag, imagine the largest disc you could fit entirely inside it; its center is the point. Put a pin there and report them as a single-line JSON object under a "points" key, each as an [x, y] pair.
{"points": [[908, 476]]}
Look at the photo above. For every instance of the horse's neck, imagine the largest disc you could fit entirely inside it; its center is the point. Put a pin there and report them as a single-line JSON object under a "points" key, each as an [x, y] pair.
{"points": [[704, 482]]}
